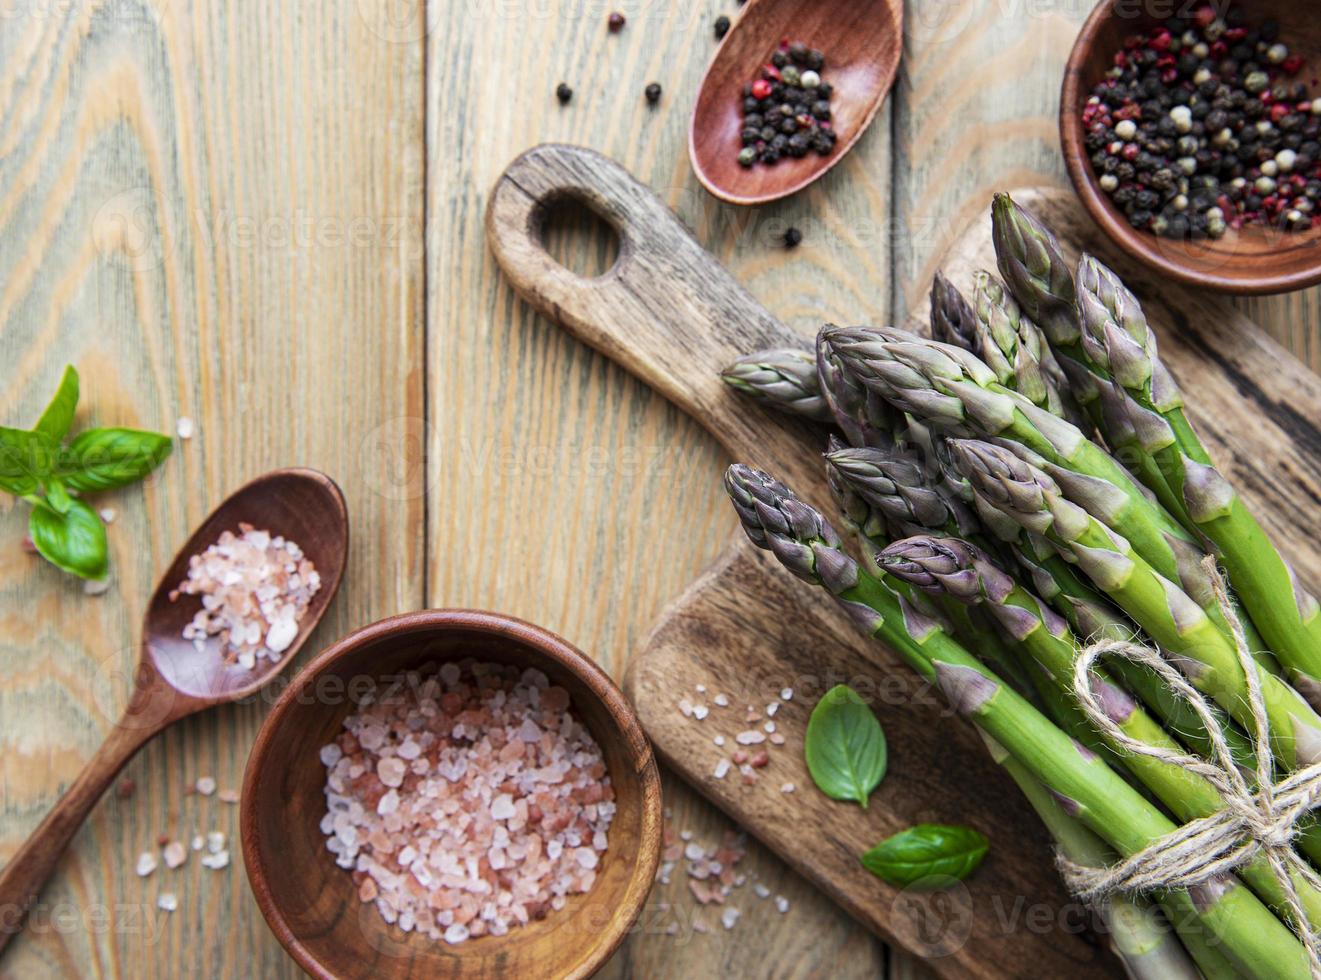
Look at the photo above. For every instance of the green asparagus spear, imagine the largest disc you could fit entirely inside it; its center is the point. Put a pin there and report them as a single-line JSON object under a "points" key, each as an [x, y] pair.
{"points": [[952, 318], [805, 543], [954, 568], [897, 485], [1146, 944], [1013, 348], [1167, 614], [864, 418], [959, 393], [1116, 335], [782, 377]]}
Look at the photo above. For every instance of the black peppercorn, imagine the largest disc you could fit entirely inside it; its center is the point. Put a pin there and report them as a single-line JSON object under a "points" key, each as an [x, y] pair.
{"points": [[563, 93], [792, 237], [721, 26], [653, 94], [615, 22]]}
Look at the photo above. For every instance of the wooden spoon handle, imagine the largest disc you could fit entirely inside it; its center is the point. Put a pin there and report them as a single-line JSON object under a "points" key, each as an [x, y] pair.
{"points": [[666, 311], [24, 876]]}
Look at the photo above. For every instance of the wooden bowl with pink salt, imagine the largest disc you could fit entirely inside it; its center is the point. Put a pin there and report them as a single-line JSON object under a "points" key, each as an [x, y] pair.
{"points": [[451, 793]]}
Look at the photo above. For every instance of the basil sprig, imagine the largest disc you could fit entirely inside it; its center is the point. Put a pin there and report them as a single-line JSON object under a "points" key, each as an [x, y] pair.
{"points": [[927, 856], [37, 465], [845, 747]]}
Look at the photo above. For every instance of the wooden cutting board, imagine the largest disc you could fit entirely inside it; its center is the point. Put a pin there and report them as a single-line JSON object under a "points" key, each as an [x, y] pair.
{"points": [[669, 313]]}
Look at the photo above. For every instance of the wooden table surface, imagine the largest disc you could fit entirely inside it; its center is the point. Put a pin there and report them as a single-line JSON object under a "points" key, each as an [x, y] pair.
{"points": [[268, 217]]}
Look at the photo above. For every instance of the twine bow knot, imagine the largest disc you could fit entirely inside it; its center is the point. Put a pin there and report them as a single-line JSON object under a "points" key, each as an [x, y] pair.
{"points": [[1261, 820]]}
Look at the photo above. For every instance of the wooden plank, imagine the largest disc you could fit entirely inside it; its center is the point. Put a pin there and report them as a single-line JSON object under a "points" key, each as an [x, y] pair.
{"points": [[551, 466], [213, 210]]}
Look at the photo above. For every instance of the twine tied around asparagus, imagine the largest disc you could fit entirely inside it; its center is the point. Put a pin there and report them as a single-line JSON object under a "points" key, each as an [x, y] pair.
{"points": [[1260, 821]]}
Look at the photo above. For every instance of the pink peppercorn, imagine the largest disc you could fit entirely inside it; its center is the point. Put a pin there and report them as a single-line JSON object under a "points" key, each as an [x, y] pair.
{"points": [[761, 88]]}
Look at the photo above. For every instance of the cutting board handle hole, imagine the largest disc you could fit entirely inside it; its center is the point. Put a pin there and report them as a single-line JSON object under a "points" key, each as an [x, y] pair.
{"points": [[577, 237]]}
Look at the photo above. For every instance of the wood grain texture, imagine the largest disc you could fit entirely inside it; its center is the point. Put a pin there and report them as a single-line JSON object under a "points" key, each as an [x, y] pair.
{"points": [[224, 123], [213, 210], [547, 447]]}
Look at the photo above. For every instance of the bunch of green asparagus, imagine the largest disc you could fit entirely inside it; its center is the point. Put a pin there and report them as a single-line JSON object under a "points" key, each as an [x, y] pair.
{"points": [[1021, 485]]}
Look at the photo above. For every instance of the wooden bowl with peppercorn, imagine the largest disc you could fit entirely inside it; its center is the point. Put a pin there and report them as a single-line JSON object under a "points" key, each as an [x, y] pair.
{"points": [[1195, 141]]}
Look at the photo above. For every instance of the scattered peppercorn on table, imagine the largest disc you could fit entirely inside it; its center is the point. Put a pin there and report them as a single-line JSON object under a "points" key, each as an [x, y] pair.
{"points": [[264, 221]]}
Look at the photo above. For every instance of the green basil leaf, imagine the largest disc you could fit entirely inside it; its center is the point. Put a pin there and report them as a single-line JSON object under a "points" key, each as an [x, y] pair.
{"points": [[928, 855], [844, 746], [26, 458], [74, 542], [58, 417], [58, 497], [102, 459]]}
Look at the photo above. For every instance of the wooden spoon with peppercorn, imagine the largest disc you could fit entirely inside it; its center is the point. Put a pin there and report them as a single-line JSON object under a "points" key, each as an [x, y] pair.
{"points": [[792, 86]]}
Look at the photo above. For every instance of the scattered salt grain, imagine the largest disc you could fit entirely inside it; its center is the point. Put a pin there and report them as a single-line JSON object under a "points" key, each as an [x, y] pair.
{"points": [[729, 917], [185, 427], [722, 769], [215, 842], [686, 708], [701, 688], [787, 694], [255, 588], [750, 737], [108, 515], [216, 861], [721, 700], [761, 891], [769, 727], [228, 796], [175, 854], [470, 803], [206, 786], [700, 711], [776, 738], [771, 708], [719, 740], [197, 843], [146, 864], [167, 902], [781, 904], [96, 586], [787, 788]]}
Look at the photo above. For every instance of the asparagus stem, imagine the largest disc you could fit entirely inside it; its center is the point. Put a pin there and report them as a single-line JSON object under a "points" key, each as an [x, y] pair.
{"points": [[951, 567], [1147, 944], [782, 377], [774, 519], [1093, 618], [1176, 623], [1116, 333]]}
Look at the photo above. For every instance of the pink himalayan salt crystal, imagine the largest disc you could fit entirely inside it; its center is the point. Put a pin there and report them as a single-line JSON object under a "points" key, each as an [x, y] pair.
{"points": [[255, 588], [501, 808]]}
